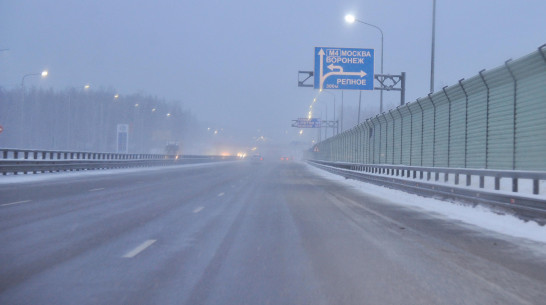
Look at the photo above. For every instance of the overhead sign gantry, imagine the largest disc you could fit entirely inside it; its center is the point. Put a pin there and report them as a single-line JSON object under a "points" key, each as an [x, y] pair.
{"points": [[307, 123]]}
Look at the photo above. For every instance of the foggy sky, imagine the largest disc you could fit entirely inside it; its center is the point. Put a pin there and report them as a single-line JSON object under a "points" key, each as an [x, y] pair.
{"points": [[234, 63]]}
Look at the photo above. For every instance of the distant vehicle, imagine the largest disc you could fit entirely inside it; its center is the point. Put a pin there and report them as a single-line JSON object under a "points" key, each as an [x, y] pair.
{"points": [[286, 158], [256, 158], [172, 150]]}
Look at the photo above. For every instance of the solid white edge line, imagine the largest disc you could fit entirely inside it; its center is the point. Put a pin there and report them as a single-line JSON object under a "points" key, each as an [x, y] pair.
{"points": [[12, 203], [98, 189], [139, 249]]}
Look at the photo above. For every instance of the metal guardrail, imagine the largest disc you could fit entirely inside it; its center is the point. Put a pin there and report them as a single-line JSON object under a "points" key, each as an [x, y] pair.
{"points": [[426, 181], [16, 161]]}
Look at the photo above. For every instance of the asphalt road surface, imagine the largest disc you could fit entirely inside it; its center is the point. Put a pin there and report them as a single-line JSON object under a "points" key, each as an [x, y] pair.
{"points": [[246, 233]]}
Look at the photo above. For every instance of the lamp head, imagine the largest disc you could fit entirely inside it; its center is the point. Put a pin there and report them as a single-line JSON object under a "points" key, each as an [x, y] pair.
{"points": [[350, 18]]}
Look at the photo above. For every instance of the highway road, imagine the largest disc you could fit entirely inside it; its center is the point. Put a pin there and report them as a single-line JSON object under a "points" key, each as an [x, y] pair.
{"points": [[246, 233]]}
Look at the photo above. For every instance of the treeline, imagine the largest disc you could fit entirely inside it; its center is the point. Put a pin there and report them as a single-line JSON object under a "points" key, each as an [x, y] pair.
{"points": [[87, 120]]}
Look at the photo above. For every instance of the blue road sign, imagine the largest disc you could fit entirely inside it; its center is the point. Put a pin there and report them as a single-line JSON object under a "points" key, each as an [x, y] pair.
{"points": [[344, 68], [307, 123]]}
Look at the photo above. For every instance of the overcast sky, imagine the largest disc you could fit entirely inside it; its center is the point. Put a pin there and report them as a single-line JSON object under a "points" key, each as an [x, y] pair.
{"points": [[234, 63]]}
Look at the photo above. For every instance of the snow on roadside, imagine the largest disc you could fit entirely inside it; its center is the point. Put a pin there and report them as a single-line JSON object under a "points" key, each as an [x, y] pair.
{"points": [[479, 216], [22, 178]]}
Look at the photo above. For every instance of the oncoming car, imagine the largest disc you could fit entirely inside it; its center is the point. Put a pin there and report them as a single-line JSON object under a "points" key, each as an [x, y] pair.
{"points": [[256, 158]]}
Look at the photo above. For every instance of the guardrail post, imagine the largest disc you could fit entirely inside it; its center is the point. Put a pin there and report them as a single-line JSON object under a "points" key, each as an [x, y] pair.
{"points": [[401, 134], [536, 181], [465, 122], [386, 138], [497, 183], [515, 185], [448, 127], [368, 139], [433, 132], [380, 137], [486, 121], [422, 129], [411, 135], [515, 115], [393, 133], [482, 181], [373, 142]]}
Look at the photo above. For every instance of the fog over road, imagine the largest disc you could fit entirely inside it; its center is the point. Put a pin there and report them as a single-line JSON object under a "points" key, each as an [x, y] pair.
{"points": [[246, 233]]}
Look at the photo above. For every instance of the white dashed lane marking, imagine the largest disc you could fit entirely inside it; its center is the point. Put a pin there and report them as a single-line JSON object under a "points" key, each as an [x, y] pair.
{"points": [[198, 209], [139, 249]]}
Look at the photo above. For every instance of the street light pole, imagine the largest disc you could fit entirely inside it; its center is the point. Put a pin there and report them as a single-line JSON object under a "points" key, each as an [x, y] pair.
{"points": [[433, 42], [352, 19], [43, 74]]}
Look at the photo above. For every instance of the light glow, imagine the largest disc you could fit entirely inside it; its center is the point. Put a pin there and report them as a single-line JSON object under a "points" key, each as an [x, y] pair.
{"points": [[350, 18]]}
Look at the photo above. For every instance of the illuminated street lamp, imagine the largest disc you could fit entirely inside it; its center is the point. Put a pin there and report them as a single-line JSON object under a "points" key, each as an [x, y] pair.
{"points": [[42, 74], [351, 19]]}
